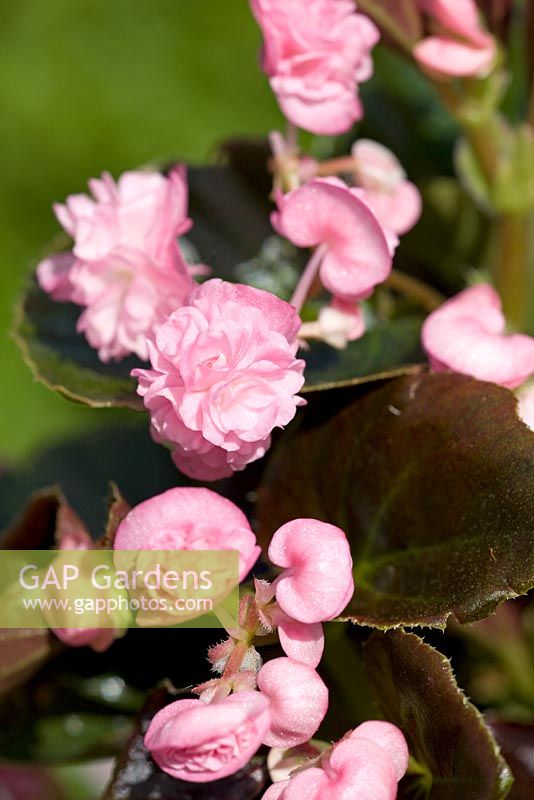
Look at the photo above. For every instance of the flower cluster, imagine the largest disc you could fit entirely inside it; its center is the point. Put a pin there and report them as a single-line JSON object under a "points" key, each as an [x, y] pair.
{"points": [[460, 47], [125, 267], [315, 53], [280, 703]]}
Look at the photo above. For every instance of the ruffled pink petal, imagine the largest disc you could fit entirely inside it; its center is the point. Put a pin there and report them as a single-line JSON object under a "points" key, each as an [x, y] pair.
{"points": [[54, 276], [199, 742]]}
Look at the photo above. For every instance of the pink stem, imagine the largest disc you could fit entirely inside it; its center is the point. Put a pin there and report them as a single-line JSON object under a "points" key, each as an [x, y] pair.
{"points": [[307, 278]]}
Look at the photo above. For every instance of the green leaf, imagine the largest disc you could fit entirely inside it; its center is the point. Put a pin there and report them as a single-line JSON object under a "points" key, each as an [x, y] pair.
{"points": [[391, 349], [62, 359], [137, 777], [454, 755], [432, 478]]}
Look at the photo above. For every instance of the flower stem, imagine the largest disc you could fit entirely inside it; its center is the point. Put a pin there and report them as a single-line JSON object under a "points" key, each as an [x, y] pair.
{"points": [[428, 298], [513, 269], [334, 166], [386, 22], [307, 278]]}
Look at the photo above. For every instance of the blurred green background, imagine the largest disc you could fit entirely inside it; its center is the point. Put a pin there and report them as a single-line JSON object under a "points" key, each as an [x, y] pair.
{"points": [[93, 85]]}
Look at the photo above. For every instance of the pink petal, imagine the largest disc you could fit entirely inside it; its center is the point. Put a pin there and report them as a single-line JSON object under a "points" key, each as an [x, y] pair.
{"points": [[298, 701], [53, 276], [389, 738], [323, 212], [183, 510], [301, 641], [317, 581], [449, 57], [466, 334]]}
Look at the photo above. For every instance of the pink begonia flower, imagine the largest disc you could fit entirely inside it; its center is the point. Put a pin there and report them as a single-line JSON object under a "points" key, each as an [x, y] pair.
{"points": [[338, 324], [143, 211], [298, 701], [200, 742], [395, 201], [189, 518], [525, 407], [317, 581], [224, 374], [315, 53], [467, 334], [326, 213], [354, 768], [126, 268], [462, 48]]}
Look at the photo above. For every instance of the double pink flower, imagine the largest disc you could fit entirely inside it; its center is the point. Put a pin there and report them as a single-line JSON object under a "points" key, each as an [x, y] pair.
{"points": [[315, 53], [125, 269], [224, 374]]}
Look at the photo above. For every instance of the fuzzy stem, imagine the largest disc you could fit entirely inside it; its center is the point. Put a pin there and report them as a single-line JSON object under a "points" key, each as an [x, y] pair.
{"points": [[307, 278]]}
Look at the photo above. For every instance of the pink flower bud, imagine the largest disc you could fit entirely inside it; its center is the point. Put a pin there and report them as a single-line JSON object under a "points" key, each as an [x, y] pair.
{"points": [[298, 701], [194, 741], [317, 581], [467, 334], [325, 212], [338, 324], [224, 374], [395, 201], [315, 54], [389, 738], [187, 518]]}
